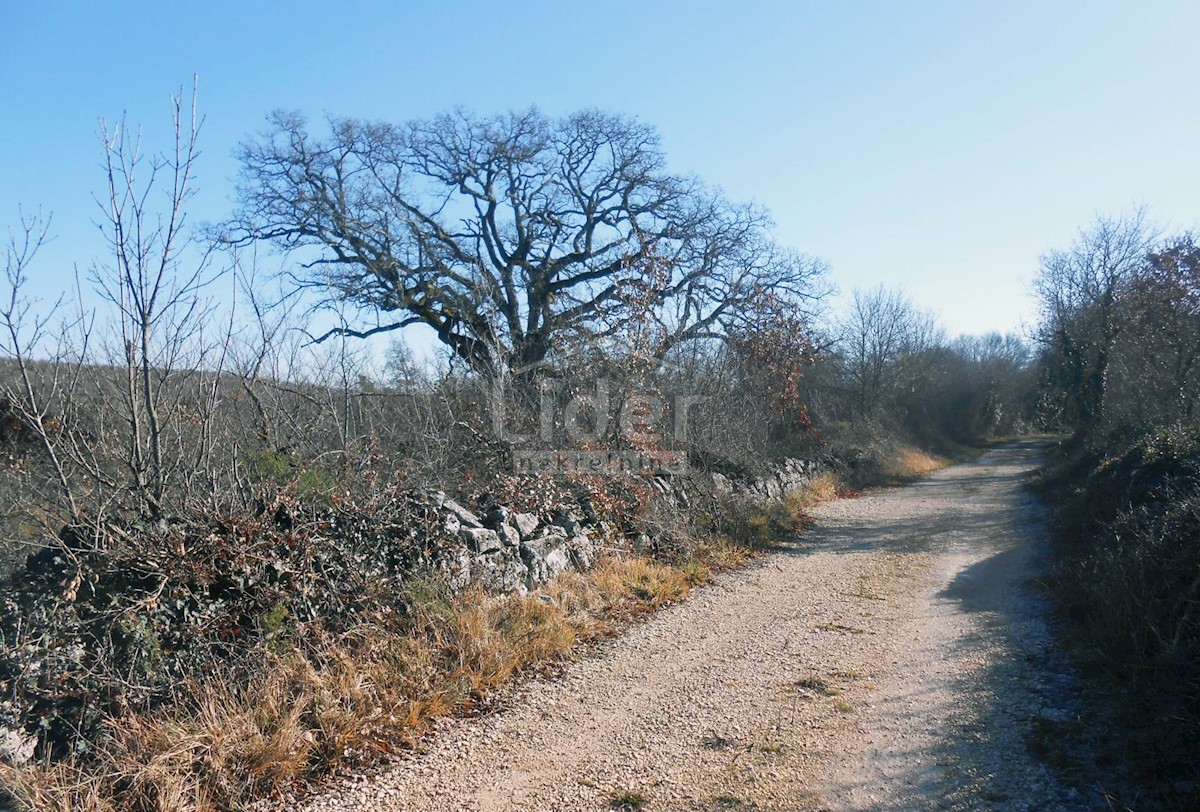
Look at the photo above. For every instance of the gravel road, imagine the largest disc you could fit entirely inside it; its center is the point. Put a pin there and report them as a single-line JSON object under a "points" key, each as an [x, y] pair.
{"points": [[895, 657]]}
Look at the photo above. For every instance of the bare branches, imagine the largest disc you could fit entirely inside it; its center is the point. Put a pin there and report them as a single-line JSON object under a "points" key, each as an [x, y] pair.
{"points": [[881, 338], [153, 278], [1080, 292], [347, 332], [23, 332], [507, 235]]}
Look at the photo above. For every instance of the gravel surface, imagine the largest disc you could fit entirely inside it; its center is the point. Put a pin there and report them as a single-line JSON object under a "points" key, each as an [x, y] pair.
{"points": [[895, 657]]}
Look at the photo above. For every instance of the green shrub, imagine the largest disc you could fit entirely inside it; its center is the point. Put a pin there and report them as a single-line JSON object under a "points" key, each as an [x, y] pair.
{"points": [[268, 466]]}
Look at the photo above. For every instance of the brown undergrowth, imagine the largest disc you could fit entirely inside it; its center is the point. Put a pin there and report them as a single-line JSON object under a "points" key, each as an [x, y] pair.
{"points": [[325, 702], [315, 701]]}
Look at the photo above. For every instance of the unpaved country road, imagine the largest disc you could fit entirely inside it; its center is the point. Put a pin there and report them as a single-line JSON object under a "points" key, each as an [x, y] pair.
{"points": [[895, 658]]}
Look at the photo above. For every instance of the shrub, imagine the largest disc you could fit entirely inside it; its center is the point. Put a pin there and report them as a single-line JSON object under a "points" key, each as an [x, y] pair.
{"points": [[1128, 524]]}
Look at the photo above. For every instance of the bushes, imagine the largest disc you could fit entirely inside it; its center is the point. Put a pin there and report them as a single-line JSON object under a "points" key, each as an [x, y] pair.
{"points": [[1128, 523], [333, 699], [114, 618]]}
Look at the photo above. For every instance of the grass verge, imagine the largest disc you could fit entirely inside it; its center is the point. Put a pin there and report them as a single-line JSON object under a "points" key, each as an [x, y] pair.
{"points": [[315, 702], [334, 701]]}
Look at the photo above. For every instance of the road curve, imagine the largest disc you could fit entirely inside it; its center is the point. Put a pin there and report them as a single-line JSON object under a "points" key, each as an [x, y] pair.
{"points": [[894, 657]]}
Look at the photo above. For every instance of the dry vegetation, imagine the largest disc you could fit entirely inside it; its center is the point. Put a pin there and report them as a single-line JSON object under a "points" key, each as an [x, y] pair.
{"points": [[336, 701], [220, 528], [1120, 341]]}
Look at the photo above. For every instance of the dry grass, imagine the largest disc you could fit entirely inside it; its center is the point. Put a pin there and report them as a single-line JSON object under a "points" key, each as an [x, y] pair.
{"points": [[332, 702], [766, 523], [909, 463], [316, 702], [894, 465], [626, 800], [823, 487]]}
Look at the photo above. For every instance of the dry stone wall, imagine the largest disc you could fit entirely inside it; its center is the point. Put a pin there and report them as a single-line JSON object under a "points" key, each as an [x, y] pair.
{"points": [[506, 551]]}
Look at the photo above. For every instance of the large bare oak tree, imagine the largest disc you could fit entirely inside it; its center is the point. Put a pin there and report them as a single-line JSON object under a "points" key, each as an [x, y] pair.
{"points": [[511, 236]]}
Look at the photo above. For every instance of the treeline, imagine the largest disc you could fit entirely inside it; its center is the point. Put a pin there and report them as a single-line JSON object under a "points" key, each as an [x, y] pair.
{"points": [[1119, 341], [198, 486]]}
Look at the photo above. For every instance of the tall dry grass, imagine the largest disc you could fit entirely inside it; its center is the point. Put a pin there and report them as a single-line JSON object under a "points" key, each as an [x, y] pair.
{"points": [[909, 462], [328, 702]]}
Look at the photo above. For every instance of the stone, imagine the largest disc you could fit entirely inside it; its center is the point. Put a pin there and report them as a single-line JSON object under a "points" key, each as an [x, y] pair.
{"points": [[464, 516], [526, 524], [546, 555], [499, 572], [497, 517], [550, 531], [549, 539], [535, 567], [557, 561], [480, 538], [569, 524], [583, 551], [509, 536], [721, 484], [16, 747]]}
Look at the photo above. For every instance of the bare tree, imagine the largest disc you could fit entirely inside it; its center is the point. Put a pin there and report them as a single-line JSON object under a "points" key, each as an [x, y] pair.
{"points": [[37, 389], [1080, 291], [153, 278], [880, 341], [1155, 367], [509, 235]]}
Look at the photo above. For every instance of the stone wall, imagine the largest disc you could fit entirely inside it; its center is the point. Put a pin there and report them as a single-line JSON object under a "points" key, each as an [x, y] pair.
{"points": [[506, 551]]}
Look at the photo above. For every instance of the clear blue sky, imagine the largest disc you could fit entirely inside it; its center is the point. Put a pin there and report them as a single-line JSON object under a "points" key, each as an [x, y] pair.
{"points": [[940, 146]]}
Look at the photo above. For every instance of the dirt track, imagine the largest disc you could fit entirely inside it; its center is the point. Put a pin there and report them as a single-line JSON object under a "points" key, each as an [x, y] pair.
{"points": [[895, 658]]}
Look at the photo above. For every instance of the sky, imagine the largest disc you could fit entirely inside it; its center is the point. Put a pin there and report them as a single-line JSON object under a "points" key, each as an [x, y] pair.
{"points": [[939, 147]]}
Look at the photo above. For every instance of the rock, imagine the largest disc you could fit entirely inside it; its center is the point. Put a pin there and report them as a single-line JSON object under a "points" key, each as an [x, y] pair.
{"points": [[549, 539], [481, 539], [555, 531], [557, 561], [15, 746], [526, 524], [721, 484], [536, 571], [583, 551], [546, 555], [509, 536], [465, 517], [497, 516], [499, 572], [569, 524]]}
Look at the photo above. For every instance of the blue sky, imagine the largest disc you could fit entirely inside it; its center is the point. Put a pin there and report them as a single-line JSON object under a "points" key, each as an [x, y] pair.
{"points": [[937, 146]]}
